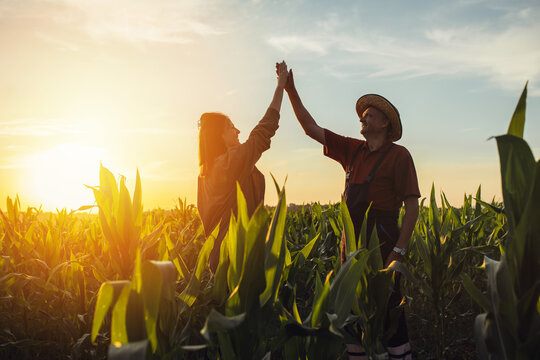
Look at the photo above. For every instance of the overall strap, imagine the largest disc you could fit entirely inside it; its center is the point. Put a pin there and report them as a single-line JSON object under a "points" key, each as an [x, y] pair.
{"points": [[372, 172], [381, 158], [355, 155]]}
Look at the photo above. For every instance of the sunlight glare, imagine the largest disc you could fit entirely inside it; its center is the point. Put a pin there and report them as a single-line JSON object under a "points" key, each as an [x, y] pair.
{"points": [[57, 176]]}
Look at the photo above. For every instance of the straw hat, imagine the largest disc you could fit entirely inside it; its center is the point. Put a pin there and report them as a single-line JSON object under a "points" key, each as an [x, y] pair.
{"points": [[386, 107]]}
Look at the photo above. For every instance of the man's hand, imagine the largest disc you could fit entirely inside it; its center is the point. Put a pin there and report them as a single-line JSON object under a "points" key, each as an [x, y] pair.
{"points": [[290, 82], [391, 257]]}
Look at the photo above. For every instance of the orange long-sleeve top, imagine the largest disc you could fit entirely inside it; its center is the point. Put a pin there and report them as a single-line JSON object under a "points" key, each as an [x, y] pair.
{"points": [[216, 193]]}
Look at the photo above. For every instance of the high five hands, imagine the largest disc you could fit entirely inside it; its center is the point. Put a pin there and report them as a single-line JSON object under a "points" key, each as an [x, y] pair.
{"points": [[282, 73]]}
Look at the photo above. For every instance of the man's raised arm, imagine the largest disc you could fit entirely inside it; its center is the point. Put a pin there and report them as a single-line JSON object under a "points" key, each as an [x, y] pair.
{"points": [[307, 122]]}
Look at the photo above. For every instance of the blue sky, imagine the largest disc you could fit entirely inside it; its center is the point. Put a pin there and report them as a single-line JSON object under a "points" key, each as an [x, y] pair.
{"points": [[124, 83]]}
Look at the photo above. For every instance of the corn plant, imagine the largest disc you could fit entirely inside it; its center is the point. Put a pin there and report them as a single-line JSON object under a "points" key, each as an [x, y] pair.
{"points": [[510, 326], [121, 222], [439, 259], [351, 307], [136, 308], [247, 280], [43, 281]]}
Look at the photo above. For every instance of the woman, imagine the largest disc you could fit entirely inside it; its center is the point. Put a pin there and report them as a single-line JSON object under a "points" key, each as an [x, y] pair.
{"points": [[223, 162]]}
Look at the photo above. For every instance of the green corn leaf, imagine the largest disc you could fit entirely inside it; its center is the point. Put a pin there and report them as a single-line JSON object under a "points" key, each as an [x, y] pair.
{"points": [[529, 315], [109, 190], [487, 338], [333, 224], [205, 253], [178, 261], [124, 216], [190, 293], [363, 240], [137, 350], [319, 308], [375, 259], [288, 259], [119, 329], [106, 298], [348, 228], [488, 205], [475, 293], [137, 202], [296, 314], [318, 288], [219, 291], [236, 248], [253, 282], [517, 123], [517, 172], [503, 299], [342, 293], [400, 268], [306, 250], [86, 207], [278, 189], [478, 207], [216, 322], [453, 216], [275, 251], [434, 215], [242, 208], [158, 280], [524, 250]]}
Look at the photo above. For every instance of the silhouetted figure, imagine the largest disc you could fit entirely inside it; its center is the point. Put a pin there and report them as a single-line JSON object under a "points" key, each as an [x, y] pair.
{"points": [[224, 161], [378, 172]]}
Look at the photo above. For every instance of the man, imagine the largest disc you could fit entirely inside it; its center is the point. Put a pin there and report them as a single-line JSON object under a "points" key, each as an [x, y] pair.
{"points": [[378, 172]]}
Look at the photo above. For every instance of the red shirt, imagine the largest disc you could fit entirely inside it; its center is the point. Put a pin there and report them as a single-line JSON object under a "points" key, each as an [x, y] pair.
{"points": [[395, 178]]}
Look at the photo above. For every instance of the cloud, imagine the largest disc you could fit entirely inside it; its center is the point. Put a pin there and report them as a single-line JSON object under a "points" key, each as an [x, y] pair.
{"points": [[64, 154], [151, 131], [293, 43], [61, 44], [32, 127], [135, 21], [165, 171], [507, 54]]}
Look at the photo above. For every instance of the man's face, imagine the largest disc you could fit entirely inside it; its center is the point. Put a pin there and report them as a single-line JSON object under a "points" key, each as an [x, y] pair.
{"points": [[230, 136], [373, 122]]}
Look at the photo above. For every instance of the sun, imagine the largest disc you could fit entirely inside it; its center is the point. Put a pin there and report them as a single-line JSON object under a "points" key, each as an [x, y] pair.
{"points": [[56, 177]]}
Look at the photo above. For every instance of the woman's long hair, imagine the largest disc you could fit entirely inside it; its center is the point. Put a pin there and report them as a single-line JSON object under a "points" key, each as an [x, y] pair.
{"points": [[211, 144]]}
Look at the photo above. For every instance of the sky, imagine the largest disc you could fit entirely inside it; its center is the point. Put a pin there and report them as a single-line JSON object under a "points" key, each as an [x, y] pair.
{"points": [[124, 82]]}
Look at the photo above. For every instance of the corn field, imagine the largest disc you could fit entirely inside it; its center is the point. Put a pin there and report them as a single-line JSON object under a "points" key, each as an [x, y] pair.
{"points": [[124, 283]]}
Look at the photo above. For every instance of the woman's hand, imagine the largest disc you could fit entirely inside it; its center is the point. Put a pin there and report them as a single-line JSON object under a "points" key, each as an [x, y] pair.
{"points": [[282, 73]]}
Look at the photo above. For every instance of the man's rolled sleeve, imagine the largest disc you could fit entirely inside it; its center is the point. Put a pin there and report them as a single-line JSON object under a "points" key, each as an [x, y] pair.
{"points": [[338, 147], [405, 179]]}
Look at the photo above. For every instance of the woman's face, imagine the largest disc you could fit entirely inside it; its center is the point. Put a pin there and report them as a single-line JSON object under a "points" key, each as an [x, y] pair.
{"points": [[230, 135]]}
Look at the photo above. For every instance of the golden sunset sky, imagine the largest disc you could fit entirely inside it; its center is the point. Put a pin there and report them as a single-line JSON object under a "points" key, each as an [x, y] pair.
{"points": [[124, 83]]}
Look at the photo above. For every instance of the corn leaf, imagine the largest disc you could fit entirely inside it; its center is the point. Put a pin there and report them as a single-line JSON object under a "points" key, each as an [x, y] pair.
{"points": [[348, 228], [517, 123], [517, 171], [216, 322], [275, 251], [106, 298], [475, 293], [320, 306], [119, 330], [158, 279], [137, 350]]}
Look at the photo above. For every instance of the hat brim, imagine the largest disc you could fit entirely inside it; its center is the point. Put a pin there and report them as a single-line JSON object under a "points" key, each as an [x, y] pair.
{"points": [[386, 107]]}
